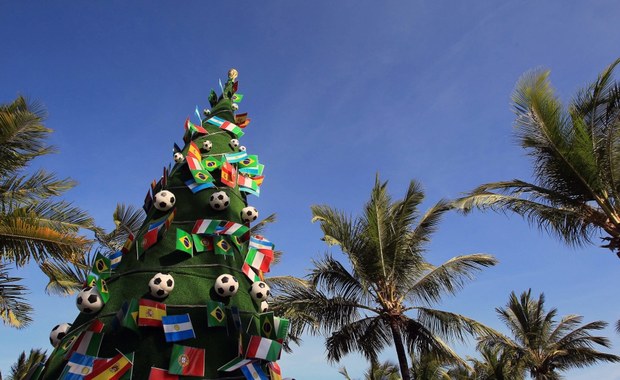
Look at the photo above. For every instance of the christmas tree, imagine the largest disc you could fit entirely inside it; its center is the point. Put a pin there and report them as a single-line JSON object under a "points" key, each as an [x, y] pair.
{"points": [[185, 296]]}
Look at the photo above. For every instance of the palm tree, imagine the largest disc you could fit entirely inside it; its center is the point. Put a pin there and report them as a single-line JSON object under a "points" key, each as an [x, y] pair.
{"points": [[34, 225], [25, 365], [543, 345], [377, 371], [429, 367], [576, 155], [366, 307], [495, 364]]}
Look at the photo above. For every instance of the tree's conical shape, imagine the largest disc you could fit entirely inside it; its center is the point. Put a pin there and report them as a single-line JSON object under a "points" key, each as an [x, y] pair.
{"points": [[194, 272]]}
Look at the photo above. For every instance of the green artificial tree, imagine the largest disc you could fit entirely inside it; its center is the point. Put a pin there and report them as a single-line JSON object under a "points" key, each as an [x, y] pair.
{"points": [[184, 298]]}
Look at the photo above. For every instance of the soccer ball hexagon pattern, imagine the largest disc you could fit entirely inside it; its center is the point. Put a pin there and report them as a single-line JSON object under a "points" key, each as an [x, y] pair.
{"points": [[164, 200], [219, 200], [260, 291], [235, 106], [59, 332], [242, 148], [226, 285], [249, 214], [234, 143], [207, 145], [178, 157], [89, 301], [161, 285], [264, 307]]}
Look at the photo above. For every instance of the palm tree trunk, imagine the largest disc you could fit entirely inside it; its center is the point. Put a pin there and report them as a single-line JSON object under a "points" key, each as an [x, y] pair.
{"points": [[400, 350]]}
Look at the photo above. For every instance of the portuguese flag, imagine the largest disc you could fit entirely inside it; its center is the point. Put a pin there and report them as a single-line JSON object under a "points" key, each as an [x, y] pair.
{"points": [[187, 361]]}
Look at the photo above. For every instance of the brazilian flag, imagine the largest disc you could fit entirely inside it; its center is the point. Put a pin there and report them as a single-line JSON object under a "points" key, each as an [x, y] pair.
{"points": [[211, 163], [222, 247], [202, 176], [102, 266], [184, 242], [216, 316], [266, 325]]}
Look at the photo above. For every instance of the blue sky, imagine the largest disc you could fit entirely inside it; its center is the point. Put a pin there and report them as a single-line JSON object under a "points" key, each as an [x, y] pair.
{"points": [[337, 92]]}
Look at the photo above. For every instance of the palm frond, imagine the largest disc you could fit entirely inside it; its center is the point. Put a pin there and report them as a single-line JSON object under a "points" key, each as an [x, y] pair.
{"points": [[15, 311], [450, 325], [19, 189], [65, 278], [127, 220], [25, 365], [329, 274], [260, 226], [422, 341], [367, 336]]}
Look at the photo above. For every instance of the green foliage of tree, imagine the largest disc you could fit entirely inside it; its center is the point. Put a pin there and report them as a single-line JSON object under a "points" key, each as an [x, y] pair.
{"points": [[26, 364], [34, 224], [377, 371], [541, 344], [367, 306], [575, 152]]}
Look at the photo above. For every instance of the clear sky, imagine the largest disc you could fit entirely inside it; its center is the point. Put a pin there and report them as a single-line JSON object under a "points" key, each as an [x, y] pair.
{"points": [[337, 91]]}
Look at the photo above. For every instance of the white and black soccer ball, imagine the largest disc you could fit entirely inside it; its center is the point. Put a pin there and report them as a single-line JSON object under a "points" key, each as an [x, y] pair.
{"points": [[226, 285], [59, 332], [234, 143], [164, 200], [260, 291], [178, 157], [242, 148], [206, 112], [264, 307], [207, 145], [161, 285], [219, 200], [235, 106], [89, 301], [249, 214]]}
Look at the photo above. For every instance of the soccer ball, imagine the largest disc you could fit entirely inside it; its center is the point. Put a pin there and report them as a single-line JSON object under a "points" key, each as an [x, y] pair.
{"points": [[264, 307], [164, 200], [206, 112], [242, 148], [219, 200], [260, 291], [226, 285], [235, 106], [207, 145], [178, 157], [234, 143], [249, 214], [89, 301], [59, 332], [161, 285]]}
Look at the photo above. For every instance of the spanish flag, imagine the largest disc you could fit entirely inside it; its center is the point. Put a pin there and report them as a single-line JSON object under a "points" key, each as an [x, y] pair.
{"points": [[111, 369], [150, 313]]}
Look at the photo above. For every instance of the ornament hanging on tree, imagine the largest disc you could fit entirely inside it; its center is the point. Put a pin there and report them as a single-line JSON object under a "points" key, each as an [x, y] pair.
{"points": [[207, 145], [264, 307], [219, 200], [234, 143], [178, 157], [242, 148], [164, 200], [206, 112], [260, 291], [233, 74], [89, 301], [249, 214], [59, 332], [235, 106], [161, 285], [226, 285]]}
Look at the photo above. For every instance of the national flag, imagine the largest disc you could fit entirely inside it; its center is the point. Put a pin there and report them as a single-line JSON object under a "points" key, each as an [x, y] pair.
{"points": [[178, 327], [274, 371], [259, 259], [226, 125], [235, 364], [176, 148], [258, 179], [207, 226], [96, 326], [150, 238], [212, 162], [115, 259], [127, 316], [87, 343], [148, 202], [249, 272], [236, 317], [202, 177], [102, 288], [249, 162], [187, 361], [128, 243], [65, 344], [266, 324], [247, 185], [216, 316], [164, 177], [184, 242], [234, 229], [256, 170], [259, 242], [194, 151], [263, 348], [192, 128], [78, 366], [240, 118], [280, 326], [237, 98], [235, 157], [253, 371], [235, 86], [228, 175], [111, 369], [101, 266], [161, 374], [195, 187], [202, 243], [197, 111], [237, 243], [150, 313], [221, 246]]}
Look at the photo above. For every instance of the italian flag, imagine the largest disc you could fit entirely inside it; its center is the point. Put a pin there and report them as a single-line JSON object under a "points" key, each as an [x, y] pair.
{"points": [[206, 226], [88, 343], [263, 348], [226, 125], [259, 259], [249, 272], [187, 361]]}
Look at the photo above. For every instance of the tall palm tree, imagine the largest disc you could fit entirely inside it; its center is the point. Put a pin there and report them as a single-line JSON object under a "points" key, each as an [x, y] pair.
{"points": [[24, 366], [377, 371], [368, 305], [576, 156], [495, 364], [543, 345], [34, 224]]}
